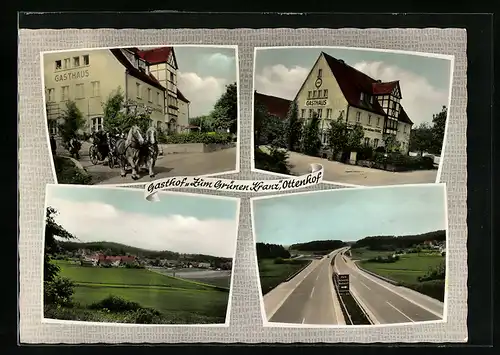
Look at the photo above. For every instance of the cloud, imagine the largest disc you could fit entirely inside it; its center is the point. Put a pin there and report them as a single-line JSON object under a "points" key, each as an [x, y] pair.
{"points": [[420, 98], [95, 221], [203, 92], [220, 60], [278, 80]]}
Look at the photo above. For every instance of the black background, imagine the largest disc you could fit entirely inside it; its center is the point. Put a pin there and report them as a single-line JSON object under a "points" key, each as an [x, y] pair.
{"points": [[479, 149]]}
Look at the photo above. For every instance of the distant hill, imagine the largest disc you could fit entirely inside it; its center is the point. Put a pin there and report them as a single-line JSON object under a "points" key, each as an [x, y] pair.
{"points": [[318, 245], [112, 248], [267, 250], [398, 242]]}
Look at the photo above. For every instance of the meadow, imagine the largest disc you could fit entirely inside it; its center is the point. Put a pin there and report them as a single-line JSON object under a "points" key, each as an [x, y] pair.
{"points": [[272, 274], [179, 301]]}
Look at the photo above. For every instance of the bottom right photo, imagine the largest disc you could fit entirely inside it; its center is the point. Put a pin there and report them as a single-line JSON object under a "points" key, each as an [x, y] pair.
{"points": [[354, 256]]}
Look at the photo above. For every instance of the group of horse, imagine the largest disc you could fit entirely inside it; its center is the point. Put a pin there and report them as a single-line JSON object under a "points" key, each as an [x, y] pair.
{"points": [[133, 150]]}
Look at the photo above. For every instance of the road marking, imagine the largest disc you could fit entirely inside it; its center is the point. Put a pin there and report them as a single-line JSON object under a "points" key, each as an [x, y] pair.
{"points": [[336, 304], [397, 309], [312, 292], [303, 320], [364, 284], [374, 280]]}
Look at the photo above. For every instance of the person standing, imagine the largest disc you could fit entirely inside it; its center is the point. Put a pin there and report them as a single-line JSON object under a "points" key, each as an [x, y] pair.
{"points": [[53, 145]]}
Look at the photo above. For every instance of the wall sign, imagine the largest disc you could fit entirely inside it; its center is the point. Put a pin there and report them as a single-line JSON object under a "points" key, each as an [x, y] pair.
{"points": [[318, 102], [318, 82], [81, 74]]}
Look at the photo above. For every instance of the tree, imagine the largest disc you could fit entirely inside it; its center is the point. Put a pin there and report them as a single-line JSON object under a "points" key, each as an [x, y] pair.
{"points": [[438, 127], [354, 137], [260, 117], [72, 123], [205, 123], [421, 138], [293, 127], [311, 142], [118, 114], [390, 143], [337, 136], [57, 290], [225, 112]]}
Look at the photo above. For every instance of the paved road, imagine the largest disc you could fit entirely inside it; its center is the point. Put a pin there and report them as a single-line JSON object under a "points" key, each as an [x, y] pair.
{"points": [[311, 299], [188, 164], [386, 303], [357, 175]]}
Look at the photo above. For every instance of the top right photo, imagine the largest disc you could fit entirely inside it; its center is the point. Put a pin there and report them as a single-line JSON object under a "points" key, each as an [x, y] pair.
{"points": [[369, 117]]}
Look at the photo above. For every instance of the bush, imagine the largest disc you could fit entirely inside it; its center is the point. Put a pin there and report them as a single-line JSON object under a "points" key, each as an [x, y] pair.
{"points": [[275, 161], [437, 273], [199, 137], [365, 153], [403, 162], [146, 316], [58, 292], [68, 173], [116, 304], [432, 288]]}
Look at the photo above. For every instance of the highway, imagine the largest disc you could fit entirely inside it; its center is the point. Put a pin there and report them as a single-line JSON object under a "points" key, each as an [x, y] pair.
{"points": [[386, 303], [308, 298]]}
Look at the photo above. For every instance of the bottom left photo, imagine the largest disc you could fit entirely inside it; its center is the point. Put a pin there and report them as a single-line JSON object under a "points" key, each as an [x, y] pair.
{"points": [[110, 256]]}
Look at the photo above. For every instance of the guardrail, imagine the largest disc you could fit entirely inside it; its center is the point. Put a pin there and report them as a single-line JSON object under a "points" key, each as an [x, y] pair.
{"points": [[353, 312], [298, 271]]}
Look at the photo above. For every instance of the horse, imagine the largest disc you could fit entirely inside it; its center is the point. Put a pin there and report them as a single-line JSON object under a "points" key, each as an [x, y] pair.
{"points": [[129, 151], [151, 150]]}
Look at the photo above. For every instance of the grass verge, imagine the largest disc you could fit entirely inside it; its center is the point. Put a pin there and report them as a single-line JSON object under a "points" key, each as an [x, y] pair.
{"points": [[272, 274]]}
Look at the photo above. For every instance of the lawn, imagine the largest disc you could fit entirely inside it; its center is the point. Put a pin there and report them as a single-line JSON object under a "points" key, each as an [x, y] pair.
{"points": [[179, 301], [271, 274], [407, 269]]}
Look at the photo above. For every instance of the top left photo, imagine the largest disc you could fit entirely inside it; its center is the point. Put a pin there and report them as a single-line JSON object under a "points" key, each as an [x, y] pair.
{"points": [[131, 115]]}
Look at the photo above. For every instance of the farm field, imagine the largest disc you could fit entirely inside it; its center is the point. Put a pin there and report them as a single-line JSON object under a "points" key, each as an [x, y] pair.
{"points": [[271, 274], [407, 269], [363, 253], [179, 301], [210, 277]]}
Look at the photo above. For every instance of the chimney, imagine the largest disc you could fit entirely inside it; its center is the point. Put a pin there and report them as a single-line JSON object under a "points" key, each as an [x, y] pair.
{"points": [[379, 81], [340, 61]]}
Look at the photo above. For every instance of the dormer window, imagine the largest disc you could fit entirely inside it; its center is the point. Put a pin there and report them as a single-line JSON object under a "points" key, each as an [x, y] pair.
{"points": [[320, 73], [362, 97]]}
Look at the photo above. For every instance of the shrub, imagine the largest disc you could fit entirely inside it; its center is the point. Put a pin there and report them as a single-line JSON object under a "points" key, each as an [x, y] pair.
{"points": [[58, 292], [437, 273], [274, 161], [116, 304], [199, 137], [68, 173], [146, 316], [432, 288], [365, 153]]}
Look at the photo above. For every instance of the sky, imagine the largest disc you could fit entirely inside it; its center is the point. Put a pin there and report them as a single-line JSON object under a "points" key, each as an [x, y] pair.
{"points": [[350, 214], [204, 73], [180, 223], [424, 81]]}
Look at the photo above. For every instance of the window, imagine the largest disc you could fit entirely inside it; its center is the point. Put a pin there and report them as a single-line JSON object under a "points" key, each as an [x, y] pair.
{"points": [[158, 101], [319, 93], [309, 94], [362, 97], [66, 63], [58, 64], [311, 112], [315, 92], [76, 61], [51, 95], [320, 73], [369, 119], [325, 93], [367, 141], [86, 59], [378, 121], [65, 93], [358, 116], [375, 143], [404, 128], [96, 124], [138, 90], [80, 94], [150, 95], [371, 100], [303, 113], [320, 113], [53, 127], [96, 88], [171, 77], [158, 124], [328, 113]]}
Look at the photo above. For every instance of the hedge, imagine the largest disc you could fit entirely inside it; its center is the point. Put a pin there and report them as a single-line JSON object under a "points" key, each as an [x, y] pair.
{"points": [[433, 288], [68, 173], [275, 161], [198, 137]]}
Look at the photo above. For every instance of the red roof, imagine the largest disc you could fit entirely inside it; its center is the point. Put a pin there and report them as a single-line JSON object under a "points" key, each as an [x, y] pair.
{"points": [[352, 82], [137, 73], [275, 105], [155, 55], [181, 96], [116, 258]]}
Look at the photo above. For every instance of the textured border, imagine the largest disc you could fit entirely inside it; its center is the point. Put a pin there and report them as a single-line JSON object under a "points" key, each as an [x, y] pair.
{"points": [[245, 320]]}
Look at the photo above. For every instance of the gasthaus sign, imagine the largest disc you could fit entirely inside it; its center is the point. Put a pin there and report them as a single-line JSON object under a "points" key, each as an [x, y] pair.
{"points": [[80, 74], [317, 102]]}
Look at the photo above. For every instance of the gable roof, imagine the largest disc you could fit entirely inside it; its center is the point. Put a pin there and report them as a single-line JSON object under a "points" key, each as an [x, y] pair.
{"points": [[352, 83], [137, 73], [156, 55], [275, 105], [181, 96]]}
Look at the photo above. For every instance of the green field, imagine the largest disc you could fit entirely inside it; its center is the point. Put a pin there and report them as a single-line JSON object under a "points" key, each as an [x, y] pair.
{"points": [[407, 269], [271, 274], [363, 254], [179, 301]]}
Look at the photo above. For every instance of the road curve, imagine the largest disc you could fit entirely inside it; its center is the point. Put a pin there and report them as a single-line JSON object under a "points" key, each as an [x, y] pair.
{"points": [[386, 303], [312, 299]]}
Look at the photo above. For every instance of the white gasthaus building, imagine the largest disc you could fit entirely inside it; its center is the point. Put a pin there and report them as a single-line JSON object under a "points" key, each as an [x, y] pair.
{"points": [[333, 89], [148, 78]]}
